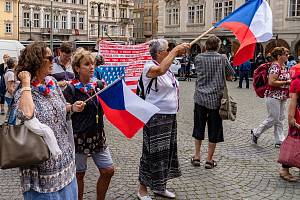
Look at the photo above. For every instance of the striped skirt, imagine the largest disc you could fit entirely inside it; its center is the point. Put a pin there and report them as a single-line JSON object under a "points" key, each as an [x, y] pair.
{"points": [[159, 161]]}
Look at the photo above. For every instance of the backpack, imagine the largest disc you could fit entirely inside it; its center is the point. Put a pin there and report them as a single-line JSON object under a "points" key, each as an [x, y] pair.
{"points": [[140, 90], [260, 79]]}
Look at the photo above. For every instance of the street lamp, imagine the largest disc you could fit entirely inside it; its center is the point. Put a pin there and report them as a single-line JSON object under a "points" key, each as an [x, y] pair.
{"points": [[98, 4]]}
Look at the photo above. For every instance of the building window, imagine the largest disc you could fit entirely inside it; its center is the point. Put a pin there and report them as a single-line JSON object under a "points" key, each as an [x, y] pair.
{"points": [[228, 7], [113, 15], [222, 9], [8, 28], [175, 16], [64, 1], [106, 11], [196, 14], [123, 13], [63, 22], [36, 20], [191, 15], [74, 1], [169, 17], [92, 11], [81, 20], [81, 2], [55, 22], [7, 6], [26, 19], [73, 22], [93, 29], [47, 21], [294, 8]]}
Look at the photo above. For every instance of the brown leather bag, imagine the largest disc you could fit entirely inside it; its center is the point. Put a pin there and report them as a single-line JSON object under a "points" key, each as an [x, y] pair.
{"points": [[20, 147]]}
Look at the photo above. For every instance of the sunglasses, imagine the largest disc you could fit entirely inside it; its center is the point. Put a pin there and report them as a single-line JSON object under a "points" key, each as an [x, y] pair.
{"points": [[50, 58]]}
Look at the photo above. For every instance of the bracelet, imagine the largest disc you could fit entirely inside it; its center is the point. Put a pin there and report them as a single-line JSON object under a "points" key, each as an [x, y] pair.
{"points": [[72, 108], [25, 89]]}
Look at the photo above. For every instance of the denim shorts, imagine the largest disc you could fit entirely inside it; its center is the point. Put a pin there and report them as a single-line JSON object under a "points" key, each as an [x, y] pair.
{"points": [[69, 192], [102, 160]]}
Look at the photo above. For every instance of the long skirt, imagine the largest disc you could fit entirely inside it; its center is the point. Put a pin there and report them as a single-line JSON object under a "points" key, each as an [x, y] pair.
{"points": [[159, 161]]}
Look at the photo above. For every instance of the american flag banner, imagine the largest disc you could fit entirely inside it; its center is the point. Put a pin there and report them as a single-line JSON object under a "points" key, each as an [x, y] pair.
{"points": [[123, 60]]}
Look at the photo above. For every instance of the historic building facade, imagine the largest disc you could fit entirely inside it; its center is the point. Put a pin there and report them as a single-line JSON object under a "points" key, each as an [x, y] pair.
{"points": [[184, 20], [9, 19], [138, 17], [150, 19], [114, 18], [70, 20]]}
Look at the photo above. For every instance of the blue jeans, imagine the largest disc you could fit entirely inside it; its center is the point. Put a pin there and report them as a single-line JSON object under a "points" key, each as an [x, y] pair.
{"points": [[69, 192], [12, 115]]}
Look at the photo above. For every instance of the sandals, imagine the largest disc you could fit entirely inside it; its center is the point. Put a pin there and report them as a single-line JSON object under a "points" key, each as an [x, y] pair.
{"points": [[195, 162], [210, 164], [287, 176]]}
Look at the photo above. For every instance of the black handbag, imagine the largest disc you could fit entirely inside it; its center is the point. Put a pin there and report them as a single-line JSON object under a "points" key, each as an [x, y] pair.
{"points": [[20, 147]]}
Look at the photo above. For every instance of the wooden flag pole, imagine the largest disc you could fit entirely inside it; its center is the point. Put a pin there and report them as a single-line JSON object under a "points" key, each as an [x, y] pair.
{"points": [[202, 35]]}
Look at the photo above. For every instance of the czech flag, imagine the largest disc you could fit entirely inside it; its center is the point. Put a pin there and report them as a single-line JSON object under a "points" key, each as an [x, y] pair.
{"points": [[124, 109], [250, 23]]}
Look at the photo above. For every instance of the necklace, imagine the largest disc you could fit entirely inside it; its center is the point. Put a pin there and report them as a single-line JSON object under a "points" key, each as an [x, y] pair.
{"points": [[88, 88], [45, 89]]}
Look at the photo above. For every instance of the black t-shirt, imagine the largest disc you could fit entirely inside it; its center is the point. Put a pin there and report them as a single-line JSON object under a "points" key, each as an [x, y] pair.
{"points": [[89, 135]]}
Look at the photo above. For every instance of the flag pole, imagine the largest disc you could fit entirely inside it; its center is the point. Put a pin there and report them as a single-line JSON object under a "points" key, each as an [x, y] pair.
{"points": [[121, 77], [202, 35]]}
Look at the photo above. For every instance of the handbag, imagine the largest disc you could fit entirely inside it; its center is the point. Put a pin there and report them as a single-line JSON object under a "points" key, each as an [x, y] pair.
{"points": [[228, 108], [290, 152], [20, 147]]}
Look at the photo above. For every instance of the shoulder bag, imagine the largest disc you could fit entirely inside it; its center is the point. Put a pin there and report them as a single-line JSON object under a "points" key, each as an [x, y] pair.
{"points": [[20, 147], [228, 108]]}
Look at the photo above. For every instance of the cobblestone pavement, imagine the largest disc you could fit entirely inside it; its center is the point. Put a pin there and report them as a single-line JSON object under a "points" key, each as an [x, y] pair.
{"points": [[244, 171]]}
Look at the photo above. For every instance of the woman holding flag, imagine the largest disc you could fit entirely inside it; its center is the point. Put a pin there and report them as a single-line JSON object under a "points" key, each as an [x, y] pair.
{"points": [[159, 161], [88, 127]]}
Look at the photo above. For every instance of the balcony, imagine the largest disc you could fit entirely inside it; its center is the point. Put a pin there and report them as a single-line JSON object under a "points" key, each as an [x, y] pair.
{"points": [[126, 21], [46, 31]]}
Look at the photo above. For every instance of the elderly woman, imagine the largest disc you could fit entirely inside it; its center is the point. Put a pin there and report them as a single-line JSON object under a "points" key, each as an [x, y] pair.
{"points": [[39, 96], [159, 161], [276, 96], [88, 127]]}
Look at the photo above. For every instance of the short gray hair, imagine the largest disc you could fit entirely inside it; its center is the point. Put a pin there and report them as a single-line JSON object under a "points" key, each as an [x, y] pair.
{"points": [[157, 45]]}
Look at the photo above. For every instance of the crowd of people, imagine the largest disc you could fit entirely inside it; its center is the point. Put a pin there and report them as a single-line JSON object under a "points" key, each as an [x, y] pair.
{"points": [[55, 90]]}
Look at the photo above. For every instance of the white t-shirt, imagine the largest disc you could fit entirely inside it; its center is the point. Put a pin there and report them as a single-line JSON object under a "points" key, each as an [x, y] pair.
{"points": [[167, 96], [8, 76]]}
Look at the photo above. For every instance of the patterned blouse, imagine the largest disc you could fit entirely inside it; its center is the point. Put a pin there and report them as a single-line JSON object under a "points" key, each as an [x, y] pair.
{"points": [[282, 92], [53, 174]]}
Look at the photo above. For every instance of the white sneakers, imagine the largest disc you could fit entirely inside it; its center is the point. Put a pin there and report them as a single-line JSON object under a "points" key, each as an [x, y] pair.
{"points": [[147, 197], [165, 193]]}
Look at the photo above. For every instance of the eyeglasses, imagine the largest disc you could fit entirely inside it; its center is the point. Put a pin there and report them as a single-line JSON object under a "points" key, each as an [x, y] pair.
{"points": [[50, 58]]}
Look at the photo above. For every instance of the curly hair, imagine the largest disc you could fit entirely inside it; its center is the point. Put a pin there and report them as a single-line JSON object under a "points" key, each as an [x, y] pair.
{"points": [[32, 58], [79, 57]]}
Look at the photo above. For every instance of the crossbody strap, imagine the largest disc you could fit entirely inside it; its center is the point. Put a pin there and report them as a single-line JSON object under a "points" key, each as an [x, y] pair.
{"points": [[225, 85]]}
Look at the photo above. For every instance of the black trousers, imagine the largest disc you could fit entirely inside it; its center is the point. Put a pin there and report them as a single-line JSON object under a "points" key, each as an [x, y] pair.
{"points": [[244, 74]]}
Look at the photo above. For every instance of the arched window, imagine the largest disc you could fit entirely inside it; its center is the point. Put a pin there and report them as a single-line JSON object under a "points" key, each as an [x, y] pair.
{"points": [[196, 10], [222, 8], [173, 12], [294, 8]]}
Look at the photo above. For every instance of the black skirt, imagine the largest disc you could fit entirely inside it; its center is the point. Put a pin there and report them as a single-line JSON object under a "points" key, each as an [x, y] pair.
{"points": [[159, 161]]}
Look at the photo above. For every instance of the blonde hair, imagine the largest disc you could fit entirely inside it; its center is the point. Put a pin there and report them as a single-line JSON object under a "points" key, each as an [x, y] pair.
{"points": [[80, 56]]}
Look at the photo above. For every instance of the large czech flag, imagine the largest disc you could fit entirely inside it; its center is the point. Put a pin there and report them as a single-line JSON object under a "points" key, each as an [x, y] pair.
{"points": [[124, 109], [250, 23]]}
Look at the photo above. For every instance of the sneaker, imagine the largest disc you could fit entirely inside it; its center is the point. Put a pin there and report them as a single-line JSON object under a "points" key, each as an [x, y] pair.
{"points": [[166, 194], [254, 138], [147, 197]]}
